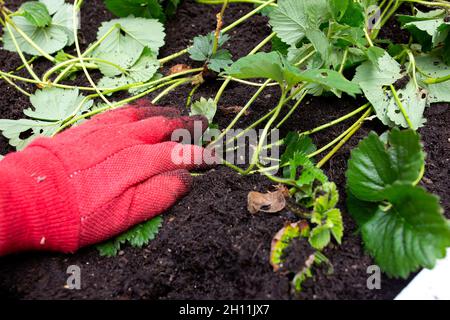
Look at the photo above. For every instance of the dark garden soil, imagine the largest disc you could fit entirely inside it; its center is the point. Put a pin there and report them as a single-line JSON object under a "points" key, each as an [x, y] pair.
{"points": [[210, 247]]}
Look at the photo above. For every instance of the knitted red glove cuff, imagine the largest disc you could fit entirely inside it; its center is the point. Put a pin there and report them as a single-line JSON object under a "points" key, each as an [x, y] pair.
{"points": [[36, 207]]}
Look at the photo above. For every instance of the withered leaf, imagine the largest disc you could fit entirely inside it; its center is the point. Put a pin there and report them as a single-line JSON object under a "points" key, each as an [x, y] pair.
{"points": [[233, 110], [283, 238], [266, 202], [178, 68]]}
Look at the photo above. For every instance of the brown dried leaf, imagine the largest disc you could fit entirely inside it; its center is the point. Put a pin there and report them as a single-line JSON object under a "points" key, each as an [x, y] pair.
{"points": [[179, 68], [233, 110], [266, 202]]}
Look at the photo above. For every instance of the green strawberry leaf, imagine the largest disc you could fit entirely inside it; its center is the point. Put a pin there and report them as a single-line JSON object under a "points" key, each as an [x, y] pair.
{"points": [[347, 12], [431, 66], [326, 216], [204, 107], [51, 38], [63, 18], [202, 50], [327, 199], [50, 107], [409, 233], [296, 143], [276, 67], [52, 5], [138, 236], [132, 34], [171, 7], [414, 101], [220, 60], [143, 233], [372, 77], [429, 29], [55, 104], [293, 20], [141, 71], [36, 13], [157, 9], [372, 168], [335, 223], [320, 237]]}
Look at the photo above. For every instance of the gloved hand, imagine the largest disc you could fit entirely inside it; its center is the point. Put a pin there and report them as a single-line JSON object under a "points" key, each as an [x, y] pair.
{"points": [[94, 181]]}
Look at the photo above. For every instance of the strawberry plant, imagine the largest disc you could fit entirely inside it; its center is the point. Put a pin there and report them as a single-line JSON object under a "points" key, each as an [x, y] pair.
{"points": [[325, 47], [401, 223]]}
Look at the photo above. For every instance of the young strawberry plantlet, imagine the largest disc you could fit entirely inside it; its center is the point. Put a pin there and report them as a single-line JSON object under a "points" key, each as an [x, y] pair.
{"points": [[202, 50], [312, 198]]}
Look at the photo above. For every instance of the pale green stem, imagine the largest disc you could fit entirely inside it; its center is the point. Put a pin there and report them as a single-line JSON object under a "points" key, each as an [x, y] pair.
{"points": [[253, 125], [74, 63], [353, 130], [369, 40], [401, 107], [305, 58], [253, 84], [22, 57], [341, 136], [222, 90], [437, 80], [336, 121], [262, 138], [75, 10], [248, 15], [30, 41], [289, 114], [169, 89], [430, 3], [173, 56], [344, 60], [263, 43], [421, 174], [243, 111], [89, 50], [412, 61], [16, 86]]}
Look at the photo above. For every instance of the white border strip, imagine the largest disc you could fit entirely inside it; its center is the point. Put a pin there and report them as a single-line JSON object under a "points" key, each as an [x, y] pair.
{"points": [[430, 284]]}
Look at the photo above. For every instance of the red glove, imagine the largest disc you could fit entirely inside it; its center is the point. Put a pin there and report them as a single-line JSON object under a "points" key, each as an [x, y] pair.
{"points": [[93, 181]]}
